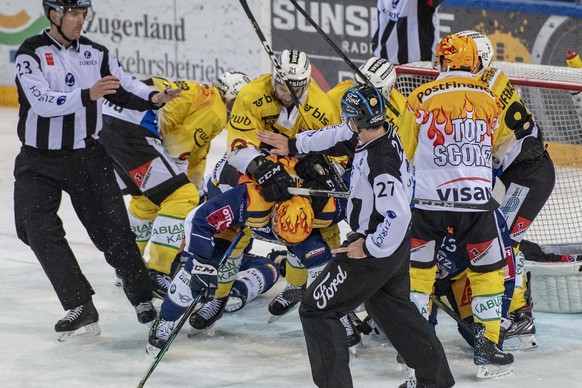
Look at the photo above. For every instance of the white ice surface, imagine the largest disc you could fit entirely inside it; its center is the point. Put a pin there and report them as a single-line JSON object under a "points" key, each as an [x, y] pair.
{"points": [[245, 351]]}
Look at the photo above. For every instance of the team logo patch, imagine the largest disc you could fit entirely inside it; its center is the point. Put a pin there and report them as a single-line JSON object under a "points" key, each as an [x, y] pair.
{"points": [[237, 144], [61, 100], [49, 59], [141, 174], [87, 54], [478, 251], [519, 227], [221, 219], [70, 79], [314, 252]]}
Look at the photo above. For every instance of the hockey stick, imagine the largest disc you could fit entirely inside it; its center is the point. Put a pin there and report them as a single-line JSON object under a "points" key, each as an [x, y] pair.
{"points": [[317, 193], [347, 60], [436, 300], [185, 317], [491, 205], [343, 56], [270, 52], [285, 79]]}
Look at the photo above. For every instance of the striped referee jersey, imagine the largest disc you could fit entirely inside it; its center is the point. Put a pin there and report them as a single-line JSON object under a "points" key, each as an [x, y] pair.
{"points": [[53, 82], [405, 31]]}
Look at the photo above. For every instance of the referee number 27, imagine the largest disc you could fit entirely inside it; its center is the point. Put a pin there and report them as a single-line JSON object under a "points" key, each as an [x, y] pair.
{"points": [[386, 188]]}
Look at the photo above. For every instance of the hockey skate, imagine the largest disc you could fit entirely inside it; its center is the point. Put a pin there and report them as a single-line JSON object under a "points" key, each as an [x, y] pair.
{"points": [[146, 313], [287, 301], [160, 282], [371, 329], [521, 333], [352, 335], [491, 361], [85, 317], [412, 383], [159, 335], [206, 317]]}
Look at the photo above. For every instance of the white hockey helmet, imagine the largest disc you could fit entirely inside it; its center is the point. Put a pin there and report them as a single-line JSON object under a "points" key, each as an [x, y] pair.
{"points": [[295, 66], [381, 73], [484, 46], [230, 83]]}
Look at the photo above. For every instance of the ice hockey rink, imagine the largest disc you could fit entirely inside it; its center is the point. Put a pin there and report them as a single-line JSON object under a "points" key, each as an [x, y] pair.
{"points": [[245, 350]]}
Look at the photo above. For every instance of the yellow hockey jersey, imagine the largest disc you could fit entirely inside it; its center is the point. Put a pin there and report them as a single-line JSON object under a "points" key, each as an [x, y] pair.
{"points": [[257, 108], [447, 134], [188, 124], [515, 122]]}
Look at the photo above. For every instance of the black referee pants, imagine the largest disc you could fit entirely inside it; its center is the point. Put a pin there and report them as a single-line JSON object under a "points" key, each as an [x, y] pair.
{"points": [[384, 285], [87, 176]]}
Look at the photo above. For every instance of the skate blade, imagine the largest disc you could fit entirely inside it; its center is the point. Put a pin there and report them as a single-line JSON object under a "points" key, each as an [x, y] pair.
{"points": [[209, 331], [91, 330], [491, 371], [274, 318], [152, 350], [521, 342]]}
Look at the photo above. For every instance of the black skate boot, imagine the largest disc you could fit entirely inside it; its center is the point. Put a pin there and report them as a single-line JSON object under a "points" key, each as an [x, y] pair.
{"points": [[492, 362], [160, 282], [211, 312], [412, 383], [83, 316], [159, 335], [146, 313], [287, 301], [352, 335]]}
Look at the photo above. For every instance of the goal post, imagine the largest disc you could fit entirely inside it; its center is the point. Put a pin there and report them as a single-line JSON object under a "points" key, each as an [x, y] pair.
{"points": [[554, 95]]}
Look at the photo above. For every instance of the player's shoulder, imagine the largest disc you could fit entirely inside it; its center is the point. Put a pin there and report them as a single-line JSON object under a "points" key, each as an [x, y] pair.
{"points": [[30, 45]]}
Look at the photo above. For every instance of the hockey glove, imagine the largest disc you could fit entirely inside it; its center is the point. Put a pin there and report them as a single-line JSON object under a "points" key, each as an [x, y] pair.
{"points": [[204, 279], [318, 203], [273, 179], [313, 167]]}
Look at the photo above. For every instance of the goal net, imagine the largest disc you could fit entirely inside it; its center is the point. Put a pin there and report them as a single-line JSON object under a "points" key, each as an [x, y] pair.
{"points": [[554, 95]]}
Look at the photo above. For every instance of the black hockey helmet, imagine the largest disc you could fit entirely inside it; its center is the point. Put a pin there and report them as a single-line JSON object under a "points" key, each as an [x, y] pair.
{"points": [[365, 104], [62, 5]]}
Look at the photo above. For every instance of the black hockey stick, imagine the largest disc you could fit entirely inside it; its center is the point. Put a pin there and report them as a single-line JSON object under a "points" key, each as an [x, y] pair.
{"points": [[490, 205], [185, 317], [436, 300], [285, 79], [317, 193], [330, 42], [270, 52], [347, 60]]}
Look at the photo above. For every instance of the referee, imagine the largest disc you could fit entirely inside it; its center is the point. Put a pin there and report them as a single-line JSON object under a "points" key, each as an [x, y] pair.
{"points": [[60, 78], [373, 267]]}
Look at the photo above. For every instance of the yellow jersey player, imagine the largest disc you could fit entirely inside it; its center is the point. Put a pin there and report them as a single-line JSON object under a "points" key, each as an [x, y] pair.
{"points": [[162, 157], [266, 104], [522, 163], [449, 127]]}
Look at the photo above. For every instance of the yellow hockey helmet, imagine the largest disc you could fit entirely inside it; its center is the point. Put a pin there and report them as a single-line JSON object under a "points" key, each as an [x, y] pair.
{"points": [[457, 53], [293, 219]]}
